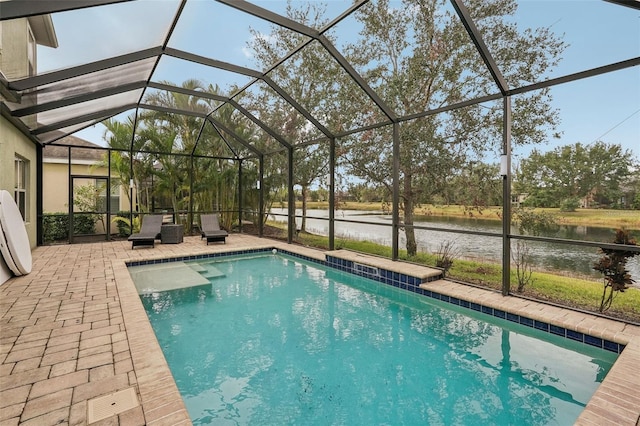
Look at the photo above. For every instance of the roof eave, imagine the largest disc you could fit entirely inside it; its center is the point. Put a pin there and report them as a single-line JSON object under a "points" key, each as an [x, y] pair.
{"points": [[43, 31]]}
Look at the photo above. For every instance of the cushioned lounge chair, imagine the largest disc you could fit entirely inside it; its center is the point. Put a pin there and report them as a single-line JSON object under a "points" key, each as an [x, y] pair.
{"points": [[149, 231], [210, 229]]}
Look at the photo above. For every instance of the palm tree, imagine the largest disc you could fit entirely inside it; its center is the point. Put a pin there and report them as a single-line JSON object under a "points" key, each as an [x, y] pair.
{"points": [[119, 138], [213, 181]]}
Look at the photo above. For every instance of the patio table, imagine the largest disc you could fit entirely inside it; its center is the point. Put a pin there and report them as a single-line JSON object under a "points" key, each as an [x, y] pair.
{"points": [[171, 233]]}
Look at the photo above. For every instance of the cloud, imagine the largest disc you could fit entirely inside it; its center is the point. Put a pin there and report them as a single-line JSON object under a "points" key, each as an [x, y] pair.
{"points": [[266, 38]]}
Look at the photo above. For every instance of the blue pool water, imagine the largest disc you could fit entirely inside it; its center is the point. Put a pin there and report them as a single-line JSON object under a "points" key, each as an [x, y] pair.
{"points": [[274, 340]]}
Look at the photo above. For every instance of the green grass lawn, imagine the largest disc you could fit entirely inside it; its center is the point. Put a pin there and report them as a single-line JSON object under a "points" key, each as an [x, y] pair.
{"points": [[567, 291], [609, 218], [629, 219]]}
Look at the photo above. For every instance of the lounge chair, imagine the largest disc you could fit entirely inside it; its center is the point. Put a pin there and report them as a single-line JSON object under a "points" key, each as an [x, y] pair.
{"points": [[210, 229], [149, 231]]}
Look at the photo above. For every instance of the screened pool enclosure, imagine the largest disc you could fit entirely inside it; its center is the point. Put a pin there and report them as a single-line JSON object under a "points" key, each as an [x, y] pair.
{"points": [[244, 107]]}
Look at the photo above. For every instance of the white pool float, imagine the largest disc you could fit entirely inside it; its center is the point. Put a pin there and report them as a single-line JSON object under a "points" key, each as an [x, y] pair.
{"points": [[14, 241], [5, 272]]}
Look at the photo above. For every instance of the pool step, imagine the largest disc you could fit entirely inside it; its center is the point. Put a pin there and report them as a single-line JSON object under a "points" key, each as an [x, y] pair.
{"points": [[196, 267], [212, 276], [211, 272], [207, 271], [155, 278]]}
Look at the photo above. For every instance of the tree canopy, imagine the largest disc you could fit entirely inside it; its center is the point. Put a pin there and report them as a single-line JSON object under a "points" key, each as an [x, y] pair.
{"points": [[416, 57], [429, 61], [594, 174]]}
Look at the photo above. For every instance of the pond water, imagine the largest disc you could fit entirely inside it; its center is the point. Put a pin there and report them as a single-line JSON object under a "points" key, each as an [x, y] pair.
{"points": [[558, 258]]}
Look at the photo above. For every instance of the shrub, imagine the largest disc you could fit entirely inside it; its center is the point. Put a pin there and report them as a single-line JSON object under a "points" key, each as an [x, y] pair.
{"points": [[569, 205], [122, 221], [84, 224], [124, 224], [446, 254], [534, 223], [613, 266], [521, 255], [55, 226]]}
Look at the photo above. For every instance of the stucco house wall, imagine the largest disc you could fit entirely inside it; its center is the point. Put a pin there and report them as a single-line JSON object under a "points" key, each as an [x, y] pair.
{"points": [[18, 59], [13, 143], [84, 162], [55, 185], [55, 171]]}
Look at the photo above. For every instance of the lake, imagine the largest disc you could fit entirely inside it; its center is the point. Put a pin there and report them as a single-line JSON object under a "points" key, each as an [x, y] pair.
{"points": [[557, 258]]}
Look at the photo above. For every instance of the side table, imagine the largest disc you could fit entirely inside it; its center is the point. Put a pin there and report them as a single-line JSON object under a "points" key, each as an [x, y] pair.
{"points": [[171, 233]]}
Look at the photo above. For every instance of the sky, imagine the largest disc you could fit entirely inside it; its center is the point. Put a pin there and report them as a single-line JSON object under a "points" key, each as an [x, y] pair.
{"points": [[606, 107], [603, 108]]}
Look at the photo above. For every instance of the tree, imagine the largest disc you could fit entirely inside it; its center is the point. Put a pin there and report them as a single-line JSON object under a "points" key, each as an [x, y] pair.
{"points": [[593, 172], [310, 164], [419, 57], [171, 175], [631, 190], [175, 133], [416, 57], [86, 199], [477, 186], [119, 136], [310, 80], [364, 193], [216, 186], [532, 223], [210, 184]]}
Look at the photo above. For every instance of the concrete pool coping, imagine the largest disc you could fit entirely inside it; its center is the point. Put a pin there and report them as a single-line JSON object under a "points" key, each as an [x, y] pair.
{"points": [[75, 330]]}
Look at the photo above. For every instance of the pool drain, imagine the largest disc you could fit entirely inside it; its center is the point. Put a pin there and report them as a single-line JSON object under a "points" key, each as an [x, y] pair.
{"points": [[109, 405]]}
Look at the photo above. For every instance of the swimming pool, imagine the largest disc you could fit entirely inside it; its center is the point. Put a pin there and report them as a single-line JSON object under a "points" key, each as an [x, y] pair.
{"points": [[273, 339]]}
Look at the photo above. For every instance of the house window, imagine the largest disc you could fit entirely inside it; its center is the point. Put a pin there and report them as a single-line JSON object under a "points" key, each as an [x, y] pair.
{"points": [[115, 199], [21, 185], [102, 198]]}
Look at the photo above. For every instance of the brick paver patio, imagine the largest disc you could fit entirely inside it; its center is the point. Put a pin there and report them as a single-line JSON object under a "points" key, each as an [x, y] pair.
{"points": [[74, 330]]}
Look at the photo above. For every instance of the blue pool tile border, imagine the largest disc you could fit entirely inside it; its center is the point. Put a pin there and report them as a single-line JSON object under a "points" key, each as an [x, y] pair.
{"points": [[195, 257], [566, 333], [410, 283]]}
